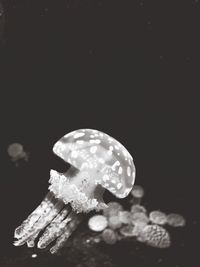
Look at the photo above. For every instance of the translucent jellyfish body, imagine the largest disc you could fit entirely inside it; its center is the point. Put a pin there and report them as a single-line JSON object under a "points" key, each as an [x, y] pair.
{"points": [[98, 162], [112, 209], [125, 217], [155, 236], [137, 193], [140, 218], [138, 208], [109, 236], [98, 223], [158, 217], [128, 231], [16, 152], [114, 222], [175, 220]]}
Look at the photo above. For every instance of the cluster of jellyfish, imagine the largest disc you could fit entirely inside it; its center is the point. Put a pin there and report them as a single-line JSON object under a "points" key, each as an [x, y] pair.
{"points": [[98, 162], [115, 223]]}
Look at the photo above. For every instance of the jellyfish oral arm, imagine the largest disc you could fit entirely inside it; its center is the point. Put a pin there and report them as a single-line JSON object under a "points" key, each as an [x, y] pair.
{"points": [[69, 194], [78, 188]]}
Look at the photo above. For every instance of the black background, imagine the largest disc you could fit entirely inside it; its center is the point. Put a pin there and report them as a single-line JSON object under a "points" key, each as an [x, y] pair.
{"points": [[128, 68]]}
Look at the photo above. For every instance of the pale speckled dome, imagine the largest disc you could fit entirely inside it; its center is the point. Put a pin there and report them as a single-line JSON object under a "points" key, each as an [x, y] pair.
{"points": [[92, 149]]}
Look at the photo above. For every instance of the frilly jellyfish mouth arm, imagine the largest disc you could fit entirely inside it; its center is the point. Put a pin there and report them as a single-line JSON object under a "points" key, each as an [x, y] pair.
{"points": [[98, 162]]}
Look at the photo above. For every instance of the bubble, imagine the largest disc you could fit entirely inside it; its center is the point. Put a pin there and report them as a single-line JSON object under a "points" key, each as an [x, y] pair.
{"points": [[128, 231], [175, 220], [16, 153], [156, 236], [98, 223], [112, 209], [125, 217], [158, 217], [15, 150], [138, 208], [137, 191], [109, 236], [140, 218], [114, 222]]}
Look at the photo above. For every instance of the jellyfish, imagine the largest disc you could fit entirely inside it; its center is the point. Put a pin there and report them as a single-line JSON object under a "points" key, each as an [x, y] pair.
{"points": [[98, 162], [109, 236], [16, 152], [155, 236], [138, 208], [140, 218], [125, 217], [98, 223], [175, 220], [137, 193], [112, 209], [158, 217], [128, 231], [114, 222]]}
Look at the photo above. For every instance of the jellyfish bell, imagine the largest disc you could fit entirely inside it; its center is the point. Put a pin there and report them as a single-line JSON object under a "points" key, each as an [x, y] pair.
{"points": [[125, 217], [175, 220], [98, 223], [114, 222], [128, 231], [158, 217], [137, 194], [109, 236], [98, 162], [16, 152], [135, 208], [113, 208], [155, 236]]}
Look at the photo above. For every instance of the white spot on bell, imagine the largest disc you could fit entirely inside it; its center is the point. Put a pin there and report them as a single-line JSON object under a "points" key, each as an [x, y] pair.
{"points": [[77, 135], [120, 170], [79, 142], [95, 141], [116, 147], [119, 185], [117, 163], [128, 171], [74, 154], [113, 181], [93, 149]]}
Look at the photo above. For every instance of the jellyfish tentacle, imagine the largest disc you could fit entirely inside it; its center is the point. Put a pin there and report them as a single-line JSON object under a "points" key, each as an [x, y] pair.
{"points": [[46, 217], [54, 229], [66, 232], [27, 224]]}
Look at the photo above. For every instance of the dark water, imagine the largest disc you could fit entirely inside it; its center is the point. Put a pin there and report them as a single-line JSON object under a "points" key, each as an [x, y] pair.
{"points": [[128, 69]]}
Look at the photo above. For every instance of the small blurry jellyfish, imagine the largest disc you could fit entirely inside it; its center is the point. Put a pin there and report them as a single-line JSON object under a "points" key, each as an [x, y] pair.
{"points": [[156, 236], [158, 217], [140, 218], [138, 208], [34, 255], [98, 223], [114, 222], [125, 217], [128, 231], [137, 193], [175, 220], [112, 209], [109, 236], [16, 152]]}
